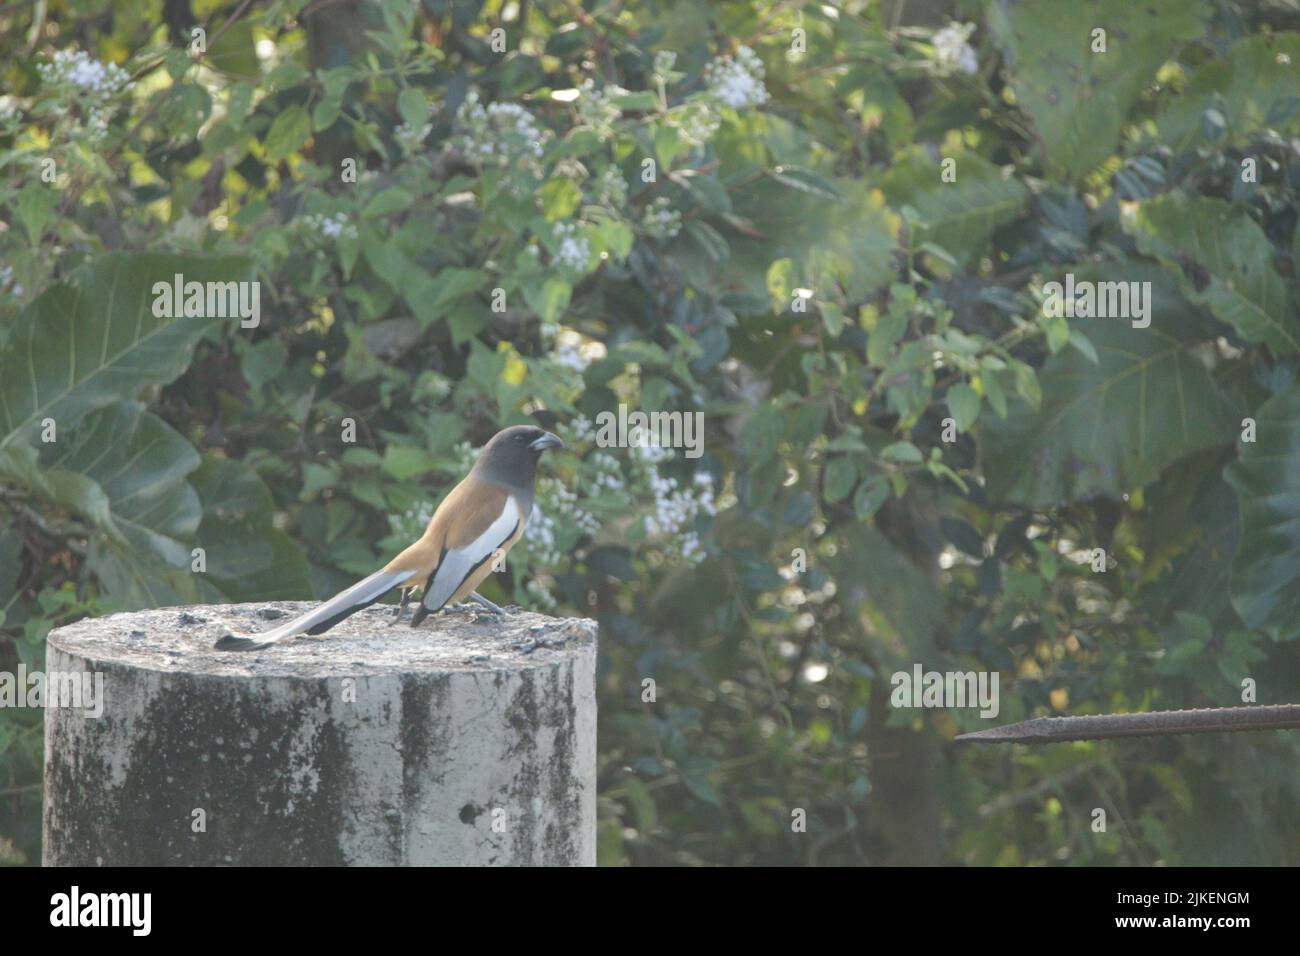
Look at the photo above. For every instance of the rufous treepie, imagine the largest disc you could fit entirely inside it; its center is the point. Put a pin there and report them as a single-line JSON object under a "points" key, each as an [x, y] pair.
{"points": [[482, 517]]}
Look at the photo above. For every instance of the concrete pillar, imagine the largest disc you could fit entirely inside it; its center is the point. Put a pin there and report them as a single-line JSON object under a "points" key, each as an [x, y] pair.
{"points": [[466, 741]]}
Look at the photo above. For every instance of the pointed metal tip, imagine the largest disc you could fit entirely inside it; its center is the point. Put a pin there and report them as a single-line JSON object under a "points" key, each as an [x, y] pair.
{"points": [[992, 734]]}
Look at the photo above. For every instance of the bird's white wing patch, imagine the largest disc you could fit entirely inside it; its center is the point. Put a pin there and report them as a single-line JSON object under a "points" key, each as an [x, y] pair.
{"points": [[459, 563]]}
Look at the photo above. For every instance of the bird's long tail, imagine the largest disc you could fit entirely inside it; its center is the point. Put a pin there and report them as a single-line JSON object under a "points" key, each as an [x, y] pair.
{"points": [[344, 604]]}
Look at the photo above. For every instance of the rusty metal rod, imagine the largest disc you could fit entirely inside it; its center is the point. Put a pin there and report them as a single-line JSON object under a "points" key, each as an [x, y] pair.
{"points": [[1045, 730]]}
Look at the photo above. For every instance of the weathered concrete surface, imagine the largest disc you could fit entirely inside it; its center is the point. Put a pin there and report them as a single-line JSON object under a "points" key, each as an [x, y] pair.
{"points": [[466, 741]]}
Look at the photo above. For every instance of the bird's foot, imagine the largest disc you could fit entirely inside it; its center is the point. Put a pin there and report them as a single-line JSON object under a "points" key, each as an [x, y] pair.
{"points": [[485, 604], [401, 608]]}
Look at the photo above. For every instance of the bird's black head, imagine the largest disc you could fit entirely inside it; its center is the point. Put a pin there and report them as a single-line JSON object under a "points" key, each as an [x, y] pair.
{"points": [[510, 458]]}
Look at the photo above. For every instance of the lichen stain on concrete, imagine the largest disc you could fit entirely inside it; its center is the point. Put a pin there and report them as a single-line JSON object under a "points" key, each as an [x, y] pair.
{"points": [[284, 801], [547, 772]]}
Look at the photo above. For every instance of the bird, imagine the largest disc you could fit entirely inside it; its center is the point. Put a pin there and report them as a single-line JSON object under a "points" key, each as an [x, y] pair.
{"points": [[481, 517]]}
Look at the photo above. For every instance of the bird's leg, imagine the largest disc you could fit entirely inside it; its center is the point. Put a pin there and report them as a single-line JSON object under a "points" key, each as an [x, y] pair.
{"points": [[481, 600], [401, 608]]}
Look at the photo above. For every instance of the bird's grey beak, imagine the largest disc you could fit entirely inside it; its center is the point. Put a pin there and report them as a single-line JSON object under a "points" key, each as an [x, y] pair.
{"points": [[546, 441]]}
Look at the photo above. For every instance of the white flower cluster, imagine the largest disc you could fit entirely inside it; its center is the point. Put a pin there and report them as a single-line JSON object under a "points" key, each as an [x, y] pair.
{"points": [[500, 133], [331, 227], [101, 81], [94, 82], [539, 533], [574, 252], [660, 220], [570, 355], [611, 188], [409, 138], [607, 475], [582, 428], [570, 349], [676, 509], [696, 120], [737, 81], [951, 51], [596, 108], [651, 453]]}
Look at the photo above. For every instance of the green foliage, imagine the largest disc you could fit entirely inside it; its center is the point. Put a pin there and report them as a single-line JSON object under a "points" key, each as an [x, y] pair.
{"points": [[1077, 86], [1112, 419], [907, 457], [1227, 263], [1266, 590]]}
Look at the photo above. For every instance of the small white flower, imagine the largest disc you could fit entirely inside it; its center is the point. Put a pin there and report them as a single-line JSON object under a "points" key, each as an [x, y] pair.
{"points": [[582, 428], [737, 81], [410, 138], [573, 252], [331, 227], [611, 188], [951, 49], [570, 356], [596, 109], [660, 220], [697, 121]]}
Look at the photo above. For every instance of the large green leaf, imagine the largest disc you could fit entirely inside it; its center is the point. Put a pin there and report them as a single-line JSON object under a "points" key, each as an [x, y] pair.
{"points": [[247, 558], [1224, 261], [1266, 572], [1188, 537], [1079, 99], [20, 467], [786, 204], [141, 464], [849, 240], [1110, 427], [961, 215], [1254, 88], [291, 128], [94, 339]]}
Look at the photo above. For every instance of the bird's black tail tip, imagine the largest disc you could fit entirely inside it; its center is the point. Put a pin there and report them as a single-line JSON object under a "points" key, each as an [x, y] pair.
{"points": [[233, 642]]}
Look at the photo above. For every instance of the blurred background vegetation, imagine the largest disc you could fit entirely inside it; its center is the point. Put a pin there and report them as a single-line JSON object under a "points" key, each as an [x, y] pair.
{"points": [[468, 214]]}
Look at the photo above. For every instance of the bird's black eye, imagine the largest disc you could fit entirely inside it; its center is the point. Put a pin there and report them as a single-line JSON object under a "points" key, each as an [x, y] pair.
{"points": [[521, 438]]}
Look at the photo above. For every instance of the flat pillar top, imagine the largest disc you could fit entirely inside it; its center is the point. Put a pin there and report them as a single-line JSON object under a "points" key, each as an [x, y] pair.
{"points": [[180, 639]]}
